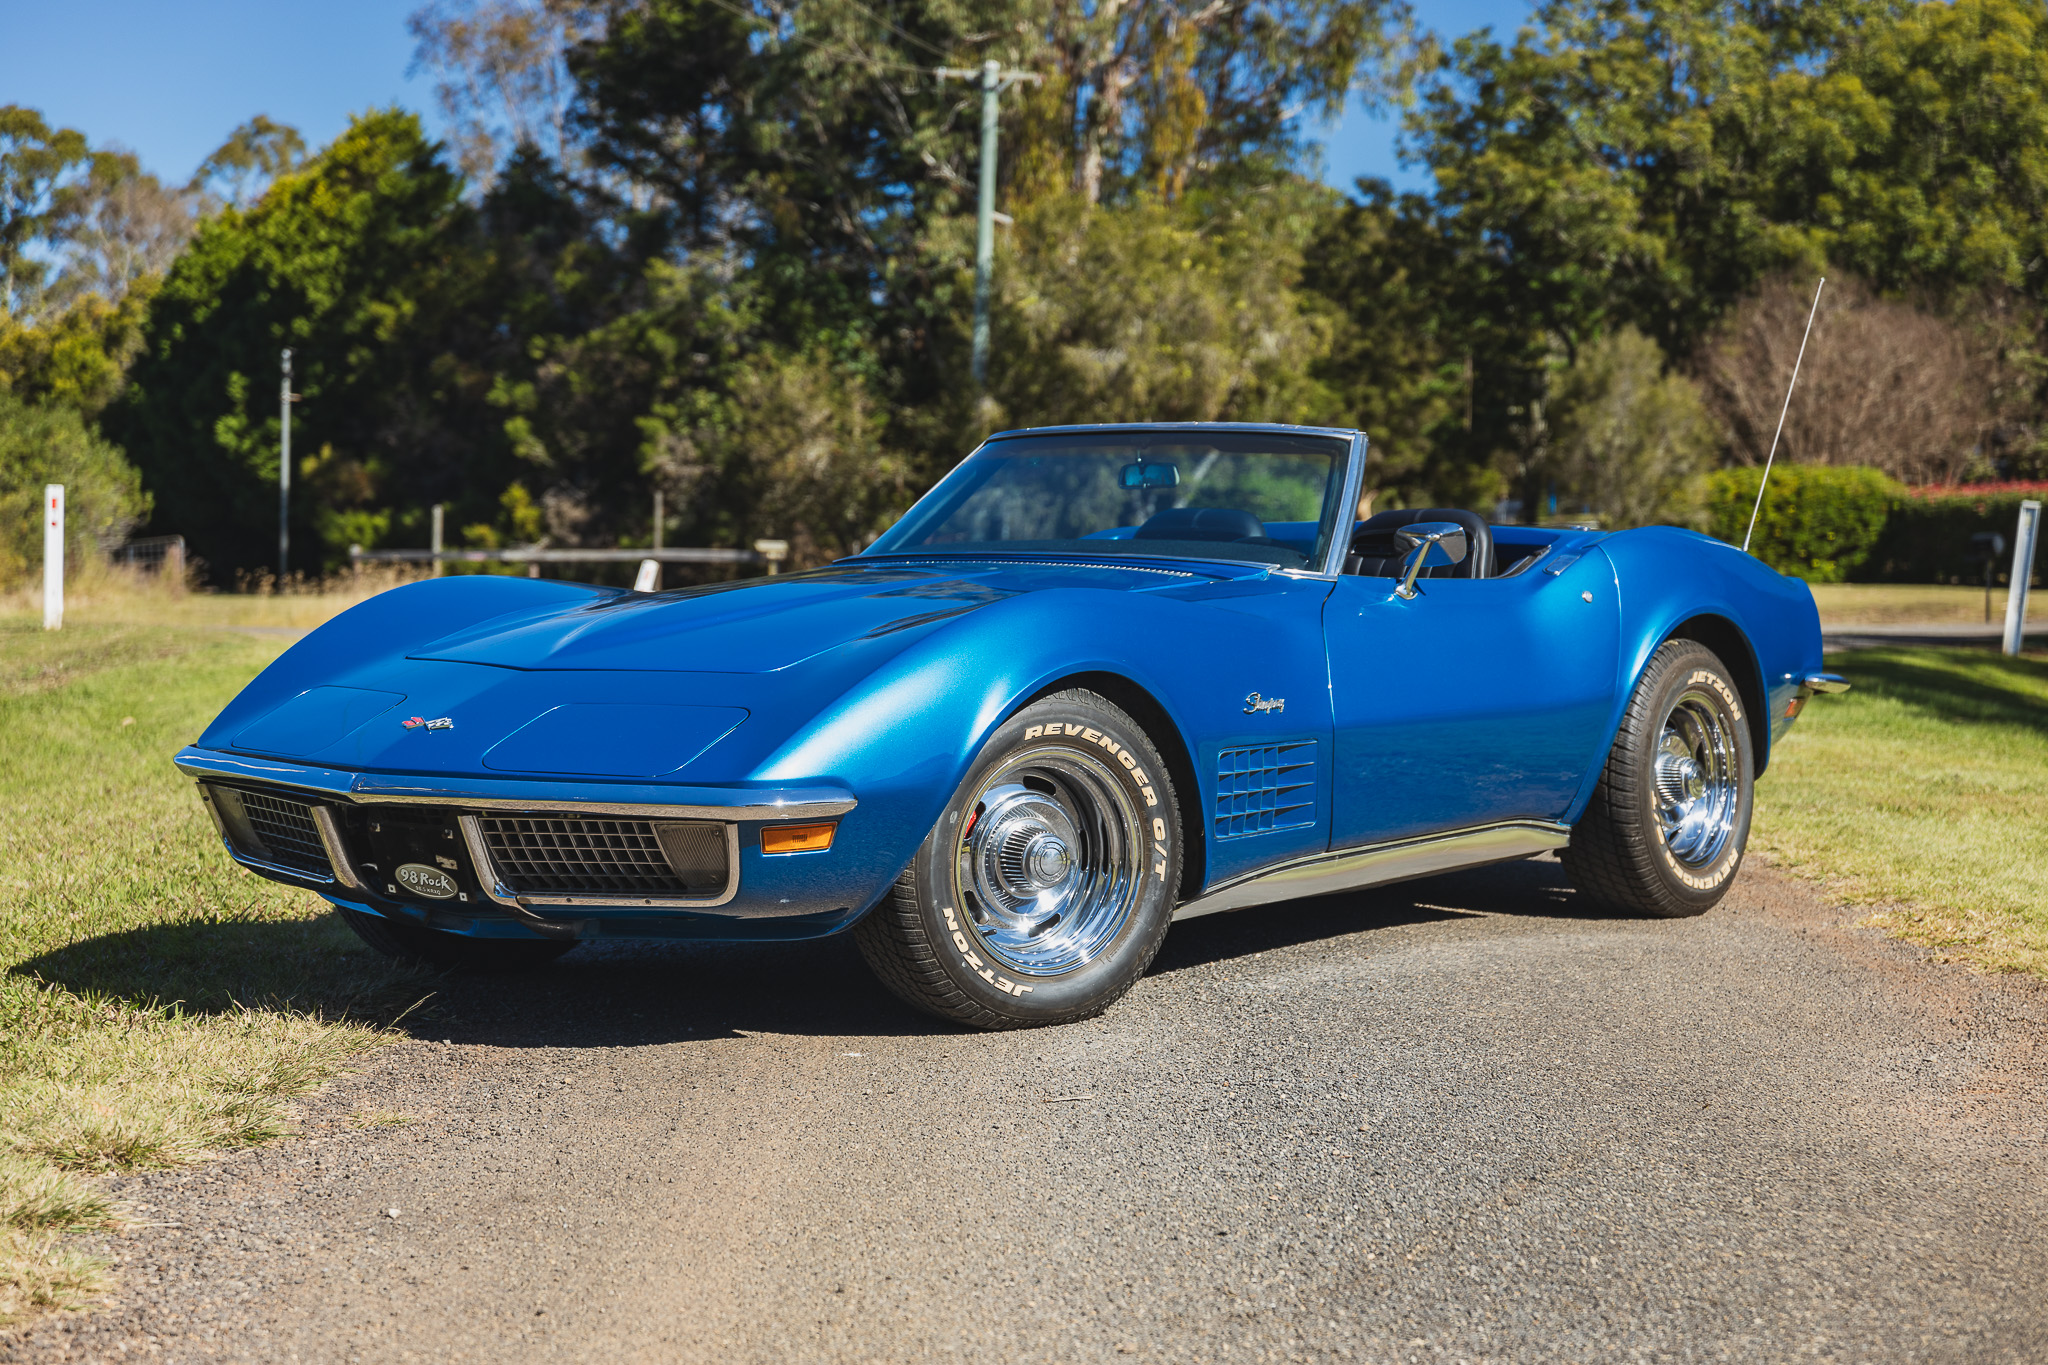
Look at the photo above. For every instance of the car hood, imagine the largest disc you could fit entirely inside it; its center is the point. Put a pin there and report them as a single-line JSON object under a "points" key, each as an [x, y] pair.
{"points": [[762, 625]]}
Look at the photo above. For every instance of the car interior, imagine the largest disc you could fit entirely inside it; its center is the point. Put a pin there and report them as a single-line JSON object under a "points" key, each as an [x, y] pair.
{"points": [[1493, 552]]}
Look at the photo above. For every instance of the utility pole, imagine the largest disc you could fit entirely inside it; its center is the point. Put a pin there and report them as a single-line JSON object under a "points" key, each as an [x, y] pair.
{"points": [[284, 471], [994, 81]]}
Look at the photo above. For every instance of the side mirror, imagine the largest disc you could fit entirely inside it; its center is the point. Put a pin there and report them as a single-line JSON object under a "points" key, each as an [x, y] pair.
{"points": [[1157, 474], [1428, 545]]}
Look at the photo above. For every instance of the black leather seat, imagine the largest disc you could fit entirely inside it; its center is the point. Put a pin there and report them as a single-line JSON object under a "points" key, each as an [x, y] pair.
{"points": [[1201, 523], [1375, 554]]}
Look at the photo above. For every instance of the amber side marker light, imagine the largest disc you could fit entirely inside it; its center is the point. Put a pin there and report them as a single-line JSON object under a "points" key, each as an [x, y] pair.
{"points": [[798, 838]]}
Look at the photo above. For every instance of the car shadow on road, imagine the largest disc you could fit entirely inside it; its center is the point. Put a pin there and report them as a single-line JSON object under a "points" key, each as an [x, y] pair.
{"points": [[1534, 887], [614, 993]]}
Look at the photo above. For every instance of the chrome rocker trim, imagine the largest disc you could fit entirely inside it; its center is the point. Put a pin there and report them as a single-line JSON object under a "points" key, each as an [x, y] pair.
{"points": [[1398, 860]]}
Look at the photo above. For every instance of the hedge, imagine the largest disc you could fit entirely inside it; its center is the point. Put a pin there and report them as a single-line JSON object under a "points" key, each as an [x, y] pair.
{"points": [[1820, 522], [1927, 539], [1832, 523]]}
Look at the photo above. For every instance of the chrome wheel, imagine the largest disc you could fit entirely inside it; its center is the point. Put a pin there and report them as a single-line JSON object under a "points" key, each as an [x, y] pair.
{"points": [[1698, 774], [1049, 861]]}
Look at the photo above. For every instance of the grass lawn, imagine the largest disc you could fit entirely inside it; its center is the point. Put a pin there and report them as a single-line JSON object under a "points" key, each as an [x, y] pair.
{"points": [[1924, 793], [156, 1001]]}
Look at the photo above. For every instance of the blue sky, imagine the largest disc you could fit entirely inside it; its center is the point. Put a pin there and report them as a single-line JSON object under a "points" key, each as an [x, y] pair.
{"points": [[170, 79]]}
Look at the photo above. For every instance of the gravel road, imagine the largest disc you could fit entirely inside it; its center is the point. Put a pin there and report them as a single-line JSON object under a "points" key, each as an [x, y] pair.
{"points": [[1458, 1120]]}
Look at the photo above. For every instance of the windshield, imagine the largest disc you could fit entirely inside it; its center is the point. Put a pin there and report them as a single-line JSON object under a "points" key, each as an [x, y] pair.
{"points": [[1264, 498]]}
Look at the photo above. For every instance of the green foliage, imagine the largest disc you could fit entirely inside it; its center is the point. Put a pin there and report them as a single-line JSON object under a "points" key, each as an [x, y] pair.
{"points": [[1184, 312], [1927, 539], [50, 443], [1627, 439], [248, 163], [360, 264], [78, 357], [1819, 522], [42, 171], [1924, 147], [795, 450], [1649, 162], [1398, 360]]}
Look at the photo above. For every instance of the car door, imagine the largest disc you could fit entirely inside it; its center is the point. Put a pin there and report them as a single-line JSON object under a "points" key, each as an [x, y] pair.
{"points": [[1477, 700]]}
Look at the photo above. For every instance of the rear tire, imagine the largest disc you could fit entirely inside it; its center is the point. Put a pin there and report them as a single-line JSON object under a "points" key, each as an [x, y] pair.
{"points": [[1665, 831], [417, 946], [1045, 888]]}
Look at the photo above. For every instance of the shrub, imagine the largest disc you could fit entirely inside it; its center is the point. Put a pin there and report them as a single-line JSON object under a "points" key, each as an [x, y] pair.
{"points": [[50, 443], [1820, 522]]}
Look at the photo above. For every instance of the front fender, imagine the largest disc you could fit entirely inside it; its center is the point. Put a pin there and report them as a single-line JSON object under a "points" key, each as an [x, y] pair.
{"points": [[904, 737]]}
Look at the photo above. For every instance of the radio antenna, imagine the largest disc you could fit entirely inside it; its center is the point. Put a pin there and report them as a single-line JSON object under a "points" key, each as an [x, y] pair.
{"points": [[1765, 482]]}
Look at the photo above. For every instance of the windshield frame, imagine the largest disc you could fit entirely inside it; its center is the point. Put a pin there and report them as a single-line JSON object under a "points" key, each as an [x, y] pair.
{"points": [[1351, 480]]}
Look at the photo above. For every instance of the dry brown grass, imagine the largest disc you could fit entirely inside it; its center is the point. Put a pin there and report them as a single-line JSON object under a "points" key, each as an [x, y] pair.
{"points": [[1916, 604], [109, 595]]}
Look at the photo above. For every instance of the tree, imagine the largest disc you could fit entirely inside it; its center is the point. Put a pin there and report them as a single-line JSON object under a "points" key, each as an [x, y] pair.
{"points": [[1399, 363], [124, 228], [503, 81], [248, 163], [1186, 312], [79, 357], [1922, 152], [1627, 439], [1883, 384], [360, 263], [816, 140], [42, 174], [50, 443]]}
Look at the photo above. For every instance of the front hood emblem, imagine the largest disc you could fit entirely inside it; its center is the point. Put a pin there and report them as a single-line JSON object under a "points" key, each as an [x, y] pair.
{"points": [[422, 723]]}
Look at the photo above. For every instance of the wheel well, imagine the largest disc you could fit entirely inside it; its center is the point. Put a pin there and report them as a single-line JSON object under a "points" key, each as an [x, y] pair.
{"points": [[1726, 639], [1166, 737]]}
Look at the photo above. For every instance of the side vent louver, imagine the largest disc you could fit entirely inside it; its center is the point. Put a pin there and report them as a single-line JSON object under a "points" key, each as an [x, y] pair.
{"points": [[1266, 788]]}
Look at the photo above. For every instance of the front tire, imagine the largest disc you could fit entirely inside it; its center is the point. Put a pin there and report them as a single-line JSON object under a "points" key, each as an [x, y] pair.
{"points": [[417, 946], [1045, 888], [1665, 831]]}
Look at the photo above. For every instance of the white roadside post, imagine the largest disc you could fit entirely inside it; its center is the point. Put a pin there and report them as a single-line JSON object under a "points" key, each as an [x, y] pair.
{"points": [[649, 577], [2026, 538], [53, 556]]}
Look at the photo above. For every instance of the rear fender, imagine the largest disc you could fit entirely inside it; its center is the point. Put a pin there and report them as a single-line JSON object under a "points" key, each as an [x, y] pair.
{"points": [[1681, 585]]}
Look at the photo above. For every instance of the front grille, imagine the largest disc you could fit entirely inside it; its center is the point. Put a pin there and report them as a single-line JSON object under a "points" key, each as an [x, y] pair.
{"points": [[284, 832], [1266, 788], [550, 856]]}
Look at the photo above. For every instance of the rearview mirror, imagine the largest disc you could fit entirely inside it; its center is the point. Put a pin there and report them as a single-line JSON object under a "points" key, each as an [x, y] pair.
{"points": [[1163, 474], [1429, 545]]}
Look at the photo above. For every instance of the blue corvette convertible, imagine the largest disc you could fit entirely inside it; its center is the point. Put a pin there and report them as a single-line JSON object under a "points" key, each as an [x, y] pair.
{"points": [[1097, 680]]}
